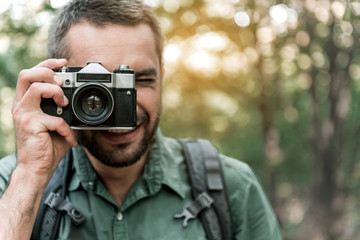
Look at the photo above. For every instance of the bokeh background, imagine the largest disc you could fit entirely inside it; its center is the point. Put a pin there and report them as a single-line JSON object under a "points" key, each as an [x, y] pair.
{"points": [[273, 83]]}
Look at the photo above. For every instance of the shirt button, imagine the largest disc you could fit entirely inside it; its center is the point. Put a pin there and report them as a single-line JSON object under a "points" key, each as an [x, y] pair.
{"points": [[119, 216]]}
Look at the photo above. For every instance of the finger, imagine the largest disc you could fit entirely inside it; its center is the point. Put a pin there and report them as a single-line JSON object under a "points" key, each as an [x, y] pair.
{"points": [[39, 73], [37, 122], [59, 125], [37, 91], [29, 76], [52, 63]]}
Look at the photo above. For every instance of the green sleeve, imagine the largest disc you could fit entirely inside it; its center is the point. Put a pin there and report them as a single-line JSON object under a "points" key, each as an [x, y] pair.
{"points": [[7, 166], [252, 214]]}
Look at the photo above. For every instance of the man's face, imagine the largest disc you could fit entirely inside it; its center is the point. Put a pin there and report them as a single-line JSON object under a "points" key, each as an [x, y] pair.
{"points": [[115, 45]]}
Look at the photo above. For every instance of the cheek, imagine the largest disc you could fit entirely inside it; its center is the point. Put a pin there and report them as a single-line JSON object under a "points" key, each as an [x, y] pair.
{"points": [[149, 100]]}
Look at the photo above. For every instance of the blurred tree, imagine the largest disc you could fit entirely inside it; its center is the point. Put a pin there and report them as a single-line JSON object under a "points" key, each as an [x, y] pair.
{"points": [[23, 28], [333, 48], [296, 87]]}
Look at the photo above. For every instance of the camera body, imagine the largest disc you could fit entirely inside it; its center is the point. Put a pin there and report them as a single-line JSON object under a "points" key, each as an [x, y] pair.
{"points": [[98, 99]]}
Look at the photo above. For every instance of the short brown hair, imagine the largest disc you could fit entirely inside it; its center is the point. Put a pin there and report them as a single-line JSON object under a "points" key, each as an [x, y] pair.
{"points": [[99, 13]]}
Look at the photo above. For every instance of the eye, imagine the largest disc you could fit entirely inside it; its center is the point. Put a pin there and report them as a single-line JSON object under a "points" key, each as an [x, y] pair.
{"points": [[145, 81]]}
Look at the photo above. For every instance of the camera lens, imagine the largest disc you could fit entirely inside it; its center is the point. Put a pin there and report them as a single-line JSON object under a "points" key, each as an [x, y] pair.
{"points": [[92, 103]]}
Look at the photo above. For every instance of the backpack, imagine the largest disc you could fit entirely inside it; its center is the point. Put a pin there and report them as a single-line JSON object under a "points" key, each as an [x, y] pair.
{"points": [[210, 199]]}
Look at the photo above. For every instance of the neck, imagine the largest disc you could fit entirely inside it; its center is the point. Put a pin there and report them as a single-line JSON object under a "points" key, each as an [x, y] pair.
{"points": [[118, 181]]}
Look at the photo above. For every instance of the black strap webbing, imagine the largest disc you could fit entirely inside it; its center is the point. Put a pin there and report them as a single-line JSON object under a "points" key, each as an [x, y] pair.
{"points": [[206, 177], [48, 219]]}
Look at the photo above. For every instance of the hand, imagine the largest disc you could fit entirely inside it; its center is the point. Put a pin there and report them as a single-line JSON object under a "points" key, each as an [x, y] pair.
{"points": [[42, 140]]}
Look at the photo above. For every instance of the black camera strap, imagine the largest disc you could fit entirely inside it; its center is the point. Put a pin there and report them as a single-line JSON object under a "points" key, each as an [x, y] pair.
{"points": [[208, 190], [53, 203]]}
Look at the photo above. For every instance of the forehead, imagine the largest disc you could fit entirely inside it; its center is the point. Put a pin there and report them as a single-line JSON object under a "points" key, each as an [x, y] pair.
{"points": [[112, 45]]}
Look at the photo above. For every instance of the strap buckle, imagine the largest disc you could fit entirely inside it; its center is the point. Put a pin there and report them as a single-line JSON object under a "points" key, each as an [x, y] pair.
{"points": [[55, 201], [202, 202]]}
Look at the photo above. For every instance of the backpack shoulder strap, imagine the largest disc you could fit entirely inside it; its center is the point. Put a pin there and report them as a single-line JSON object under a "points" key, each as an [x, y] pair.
{"points": [[53, 203], [208, 189]]}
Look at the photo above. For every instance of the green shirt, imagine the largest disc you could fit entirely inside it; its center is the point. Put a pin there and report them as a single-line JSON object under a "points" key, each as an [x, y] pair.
{"points": [[161, 192]]}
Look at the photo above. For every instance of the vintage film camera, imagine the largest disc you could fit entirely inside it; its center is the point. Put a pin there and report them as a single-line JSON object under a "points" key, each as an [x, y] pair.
{"points": [[98, 99]]}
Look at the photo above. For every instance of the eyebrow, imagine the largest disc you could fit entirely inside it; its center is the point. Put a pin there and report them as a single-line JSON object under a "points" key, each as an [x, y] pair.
{"points": [[146, 72]]}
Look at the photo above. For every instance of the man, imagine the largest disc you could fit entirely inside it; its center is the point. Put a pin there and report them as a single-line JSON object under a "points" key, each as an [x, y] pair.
{"points": [[128, 185]]}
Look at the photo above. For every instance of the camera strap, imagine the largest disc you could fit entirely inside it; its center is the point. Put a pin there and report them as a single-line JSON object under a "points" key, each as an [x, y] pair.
{"points": [[53, 203], [208, 190]]}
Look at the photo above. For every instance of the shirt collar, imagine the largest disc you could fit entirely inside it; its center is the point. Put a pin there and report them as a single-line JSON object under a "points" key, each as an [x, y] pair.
{"points": [[84, 172], [164, 164]]}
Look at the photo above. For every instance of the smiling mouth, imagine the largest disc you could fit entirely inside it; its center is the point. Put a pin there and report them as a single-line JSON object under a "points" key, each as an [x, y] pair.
{"points": [[142, 121], [120, 136]]}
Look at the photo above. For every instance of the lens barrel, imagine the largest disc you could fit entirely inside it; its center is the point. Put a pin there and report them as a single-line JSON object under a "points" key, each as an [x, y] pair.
{"points": [[92, 103]]}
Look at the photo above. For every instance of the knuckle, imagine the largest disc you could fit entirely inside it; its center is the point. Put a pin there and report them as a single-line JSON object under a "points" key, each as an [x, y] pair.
{"points": [[58, 121], [60, 125], [23, 75], [16, 112], [24, 121], [45, 74], [61, 122]]}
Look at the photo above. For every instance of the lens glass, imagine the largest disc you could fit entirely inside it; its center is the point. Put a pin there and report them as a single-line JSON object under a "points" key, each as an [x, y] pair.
{"points": [[92, 105]]}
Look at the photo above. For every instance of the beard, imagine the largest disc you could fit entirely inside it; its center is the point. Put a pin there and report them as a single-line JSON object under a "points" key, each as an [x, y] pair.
{"points": [[120, 155]]}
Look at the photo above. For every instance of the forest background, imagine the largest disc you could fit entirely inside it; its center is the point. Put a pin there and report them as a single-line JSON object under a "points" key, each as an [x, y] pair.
{"points": [[273, 83]]}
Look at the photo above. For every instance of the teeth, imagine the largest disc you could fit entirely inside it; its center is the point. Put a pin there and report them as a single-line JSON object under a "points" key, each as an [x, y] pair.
{"points": [[117, 131]]}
